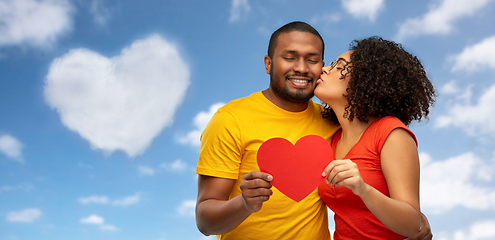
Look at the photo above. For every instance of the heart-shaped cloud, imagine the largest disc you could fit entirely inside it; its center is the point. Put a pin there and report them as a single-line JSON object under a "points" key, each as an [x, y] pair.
{"points": [[118, 103]]}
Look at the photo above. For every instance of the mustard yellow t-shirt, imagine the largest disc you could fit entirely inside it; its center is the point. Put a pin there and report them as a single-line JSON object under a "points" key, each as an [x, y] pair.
{"points": [[229, 145]]}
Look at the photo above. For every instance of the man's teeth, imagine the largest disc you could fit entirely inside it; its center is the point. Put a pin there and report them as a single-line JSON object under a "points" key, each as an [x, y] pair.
{"points": [[299, 80]]}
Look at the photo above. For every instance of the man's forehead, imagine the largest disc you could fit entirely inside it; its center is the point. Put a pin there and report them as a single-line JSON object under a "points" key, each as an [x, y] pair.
{"points": [[299, 42], [301, 52]]}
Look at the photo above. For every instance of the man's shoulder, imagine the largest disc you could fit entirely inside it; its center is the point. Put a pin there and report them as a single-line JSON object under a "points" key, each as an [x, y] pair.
{"points": [[317, 106], [242, 104]]}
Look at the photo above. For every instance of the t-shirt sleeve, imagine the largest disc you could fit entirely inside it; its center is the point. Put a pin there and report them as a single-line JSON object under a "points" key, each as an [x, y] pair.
{"points": [[220, 152], [386, 126]]}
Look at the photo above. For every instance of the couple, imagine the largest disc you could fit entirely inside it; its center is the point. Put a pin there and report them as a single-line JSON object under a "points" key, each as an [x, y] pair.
{"points": [[371, 93]]}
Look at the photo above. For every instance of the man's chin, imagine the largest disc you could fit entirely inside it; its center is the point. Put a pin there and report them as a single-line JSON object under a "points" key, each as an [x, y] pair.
{"points": [[299, 97]]}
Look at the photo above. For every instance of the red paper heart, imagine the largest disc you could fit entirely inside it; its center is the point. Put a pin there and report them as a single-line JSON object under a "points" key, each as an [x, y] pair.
{"points": [[296, 170]]}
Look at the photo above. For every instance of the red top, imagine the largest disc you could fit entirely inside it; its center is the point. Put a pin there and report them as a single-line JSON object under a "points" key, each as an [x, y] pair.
{"points": [[353, 220]]}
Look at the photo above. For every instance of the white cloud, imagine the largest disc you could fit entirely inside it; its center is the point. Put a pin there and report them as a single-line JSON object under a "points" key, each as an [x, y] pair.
{"points": [[97, 220], [363, 8], [450, 88], [331, 224], [455, 182], [127, 201], [11, 147], [118, 103], [123, 202], [476, 57], [199, 122], [440, 18], [82, 165], [482, 230], [25, 216], [6, 189], [327, 18], [101, 14], [146, 171], [94, 199], [462, 95], [22, 187], [187, 208], [176, 166], [239, 10], [37, 23], [93, 219], [109, 228], [475, 119]]}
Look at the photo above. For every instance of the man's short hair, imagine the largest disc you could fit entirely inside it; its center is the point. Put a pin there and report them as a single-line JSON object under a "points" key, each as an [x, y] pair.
{"points": [[290, 27]]}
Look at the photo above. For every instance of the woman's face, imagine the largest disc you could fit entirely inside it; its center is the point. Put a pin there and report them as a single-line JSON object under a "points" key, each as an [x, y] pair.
{"points": [[332, 86]]}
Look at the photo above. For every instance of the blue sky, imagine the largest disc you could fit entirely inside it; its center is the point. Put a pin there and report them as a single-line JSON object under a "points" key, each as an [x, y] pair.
{"points": [[102, 103]]}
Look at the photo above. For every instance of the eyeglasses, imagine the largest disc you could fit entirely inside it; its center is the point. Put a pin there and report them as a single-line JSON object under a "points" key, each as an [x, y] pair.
{"points": [[340, 60]]}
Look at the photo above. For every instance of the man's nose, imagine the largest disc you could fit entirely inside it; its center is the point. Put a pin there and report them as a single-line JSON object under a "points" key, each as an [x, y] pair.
{"points": [[301, 66]]}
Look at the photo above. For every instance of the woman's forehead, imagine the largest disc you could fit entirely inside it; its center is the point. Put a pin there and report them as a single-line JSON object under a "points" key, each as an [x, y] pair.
{"points": [[346, 56]]}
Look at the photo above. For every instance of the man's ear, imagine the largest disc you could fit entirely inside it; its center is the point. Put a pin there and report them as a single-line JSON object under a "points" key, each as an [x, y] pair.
{"points": [[268, 64]]}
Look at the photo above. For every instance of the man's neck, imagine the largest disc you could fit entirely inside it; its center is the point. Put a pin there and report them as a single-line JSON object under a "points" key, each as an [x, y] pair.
{"points": [[284, 104]]}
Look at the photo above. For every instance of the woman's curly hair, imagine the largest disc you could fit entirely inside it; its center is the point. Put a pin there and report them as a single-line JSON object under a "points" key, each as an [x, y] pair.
{"points": [[385, 80]]}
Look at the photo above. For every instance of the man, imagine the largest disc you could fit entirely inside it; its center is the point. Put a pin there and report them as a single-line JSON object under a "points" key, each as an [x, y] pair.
{"points": [[235, 200]]}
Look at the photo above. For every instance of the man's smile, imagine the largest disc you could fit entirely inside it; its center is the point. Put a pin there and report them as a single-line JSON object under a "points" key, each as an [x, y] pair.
{"points": [[300, 82]]}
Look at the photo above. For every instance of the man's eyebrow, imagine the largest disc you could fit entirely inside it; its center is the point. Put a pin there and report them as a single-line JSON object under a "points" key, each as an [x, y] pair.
{"points": [[290, 51], [296, 52], [315, 54]]}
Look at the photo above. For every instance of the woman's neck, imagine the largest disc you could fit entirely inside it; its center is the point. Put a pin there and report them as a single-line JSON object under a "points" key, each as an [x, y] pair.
{"points": [[351, 133], [354, 129]]}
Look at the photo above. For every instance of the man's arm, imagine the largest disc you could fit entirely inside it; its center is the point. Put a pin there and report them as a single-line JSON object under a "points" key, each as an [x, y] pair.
{"points": [[217, 214]]}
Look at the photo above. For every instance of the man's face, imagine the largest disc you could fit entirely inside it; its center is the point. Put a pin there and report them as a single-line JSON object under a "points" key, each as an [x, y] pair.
{"points": [[295, 66]]}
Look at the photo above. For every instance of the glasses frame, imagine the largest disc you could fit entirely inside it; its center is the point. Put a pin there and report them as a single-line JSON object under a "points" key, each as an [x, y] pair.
{"points": [[334, 63]]}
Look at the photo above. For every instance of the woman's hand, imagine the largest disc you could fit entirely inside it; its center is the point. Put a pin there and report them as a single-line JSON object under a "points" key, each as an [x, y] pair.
{"points": [[345, 173]]}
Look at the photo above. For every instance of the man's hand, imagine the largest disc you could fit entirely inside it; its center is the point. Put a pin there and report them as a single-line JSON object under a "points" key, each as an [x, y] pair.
{"points": [[256, 190], [425, 231]]}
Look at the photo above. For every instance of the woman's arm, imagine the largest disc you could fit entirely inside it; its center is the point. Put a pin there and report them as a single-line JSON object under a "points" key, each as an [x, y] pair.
{"points": [[400, 165]]}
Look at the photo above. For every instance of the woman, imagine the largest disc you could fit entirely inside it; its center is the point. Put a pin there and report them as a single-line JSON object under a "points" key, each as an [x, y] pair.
{"points": [[373, 91]]}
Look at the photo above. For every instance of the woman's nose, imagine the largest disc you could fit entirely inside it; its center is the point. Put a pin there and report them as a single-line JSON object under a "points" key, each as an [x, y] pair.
{"points": [[325, 69]]}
